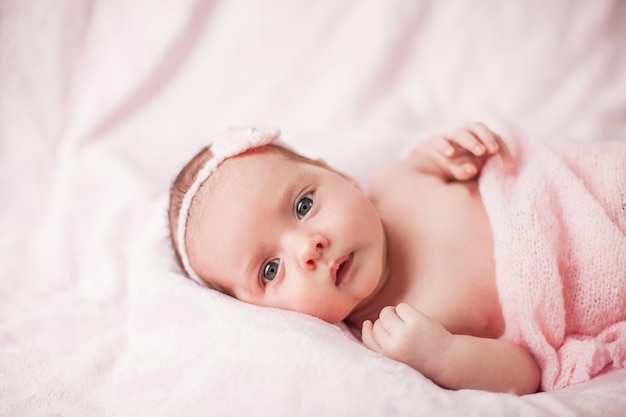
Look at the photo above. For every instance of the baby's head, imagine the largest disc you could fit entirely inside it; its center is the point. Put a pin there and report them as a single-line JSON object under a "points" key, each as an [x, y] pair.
{"points": [[255, 220]]}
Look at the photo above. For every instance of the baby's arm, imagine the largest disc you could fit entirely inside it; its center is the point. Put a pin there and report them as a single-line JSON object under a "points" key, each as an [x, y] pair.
{"points": [[461, 154], [452, 361]]}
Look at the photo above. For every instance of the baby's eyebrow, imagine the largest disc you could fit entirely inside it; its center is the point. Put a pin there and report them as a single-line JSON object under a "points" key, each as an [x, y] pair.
{"points": [[290, 189]]}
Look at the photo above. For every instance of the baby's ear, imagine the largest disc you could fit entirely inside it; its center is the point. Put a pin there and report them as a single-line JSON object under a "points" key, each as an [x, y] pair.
{"points": [[348, 178]]}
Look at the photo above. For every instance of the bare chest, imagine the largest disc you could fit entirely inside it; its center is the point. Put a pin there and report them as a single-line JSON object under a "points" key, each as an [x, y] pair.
{"points": [[440, 252]]}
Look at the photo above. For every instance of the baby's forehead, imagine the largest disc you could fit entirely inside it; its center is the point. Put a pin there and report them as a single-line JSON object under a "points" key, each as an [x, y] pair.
{"points": [[239, 189], [262, 166], [256, 163]]}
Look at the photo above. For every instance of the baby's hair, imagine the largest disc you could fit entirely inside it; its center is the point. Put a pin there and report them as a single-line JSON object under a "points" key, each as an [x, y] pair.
{"points": [[186, 178], [179, 187]]}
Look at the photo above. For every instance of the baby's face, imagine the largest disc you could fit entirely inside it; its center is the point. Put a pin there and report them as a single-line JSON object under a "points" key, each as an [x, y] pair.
{"points": [[287, 234]]}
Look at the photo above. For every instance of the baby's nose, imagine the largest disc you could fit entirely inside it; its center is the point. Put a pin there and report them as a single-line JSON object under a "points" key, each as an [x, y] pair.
{"points": [[309, 249]]}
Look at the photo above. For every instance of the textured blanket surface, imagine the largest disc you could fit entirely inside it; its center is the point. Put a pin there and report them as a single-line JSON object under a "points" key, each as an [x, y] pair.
{"points": [[559, 224], [102, 101]]}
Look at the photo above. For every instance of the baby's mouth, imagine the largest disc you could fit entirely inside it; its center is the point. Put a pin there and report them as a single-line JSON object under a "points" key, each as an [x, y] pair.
{"points": [[343, 269]]}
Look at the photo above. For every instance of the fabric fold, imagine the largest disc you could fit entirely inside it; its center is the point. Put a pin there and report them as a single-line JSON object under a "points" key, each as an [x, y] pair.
{"points": [[559, 226]]}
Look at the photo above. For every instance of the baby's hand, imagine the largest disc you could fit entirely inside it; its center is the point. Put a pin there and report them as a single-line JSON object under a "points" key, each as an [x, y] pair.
{"points": [[405, 334], [463, 152]]}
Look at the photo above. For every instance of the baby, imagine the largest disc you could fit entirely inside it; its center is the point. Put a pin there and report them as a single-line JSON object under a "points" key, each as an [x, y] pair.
{"points": [[409, 266]]}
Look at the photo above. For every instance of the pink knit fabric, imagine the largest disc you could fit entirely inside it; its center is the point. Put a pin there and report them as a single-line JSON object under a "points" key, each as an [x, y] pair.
{"points": [[559, 225]]}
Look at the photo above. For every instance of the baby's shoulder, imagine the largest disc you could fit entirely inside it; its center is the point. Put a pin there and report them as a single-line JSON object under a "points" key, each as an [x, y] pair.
{"points": [[399, 181], [403, 172]]}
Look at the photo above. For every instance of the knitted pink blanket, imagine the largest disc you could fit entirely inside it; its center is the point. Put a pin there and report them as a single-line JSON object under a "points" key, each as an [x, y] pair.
{"points": [[559, 225]]}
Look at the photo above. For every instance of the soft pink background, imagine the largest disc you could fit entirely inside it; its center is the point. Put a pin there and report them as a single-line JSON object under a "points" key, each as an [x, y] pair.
{"points": [[101, 102]]}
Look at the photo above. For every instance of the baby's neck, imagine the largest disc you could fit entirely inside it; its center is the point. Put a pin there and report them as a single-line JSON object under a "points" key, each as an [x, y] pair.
{"points": [[387, 292]]}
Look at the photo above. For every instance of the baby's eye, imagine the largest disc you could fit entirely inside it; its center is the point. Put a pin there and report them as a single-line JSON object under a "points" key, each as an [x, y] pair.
{"points": [[269, 271], [304, 205]]}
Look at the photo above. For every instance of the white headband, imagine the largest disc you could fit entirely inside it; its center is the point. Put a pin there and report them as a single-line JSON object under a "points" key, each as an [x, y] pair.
{"points": [[233, 142]]}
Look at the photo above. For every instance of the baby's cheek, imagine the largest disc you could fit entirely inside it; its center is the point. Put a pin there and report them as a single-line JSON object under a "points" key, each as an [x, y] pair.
{"points": [[322, 306]]}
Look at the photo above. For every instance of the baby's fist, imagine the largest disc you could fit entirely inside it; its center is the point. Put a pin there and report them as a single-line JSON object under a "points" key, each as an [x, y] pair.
{"points": [[407, 335]]}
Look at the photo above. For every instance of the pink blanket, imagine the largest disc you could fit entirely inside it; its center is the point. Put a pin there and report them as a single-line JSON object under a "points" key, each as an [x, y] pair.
{"points": [[559, 225]]}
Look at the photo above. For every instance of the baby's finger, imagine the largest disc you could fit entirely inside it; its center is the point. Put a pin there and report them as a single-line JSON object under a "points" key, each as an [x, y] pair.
{"points": [[389, 319], [407, 312], [505, 154], [463, 170], [493, 142], [444, 147], [380, 333], [486, 136], [465, 139], [367, 335]]}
